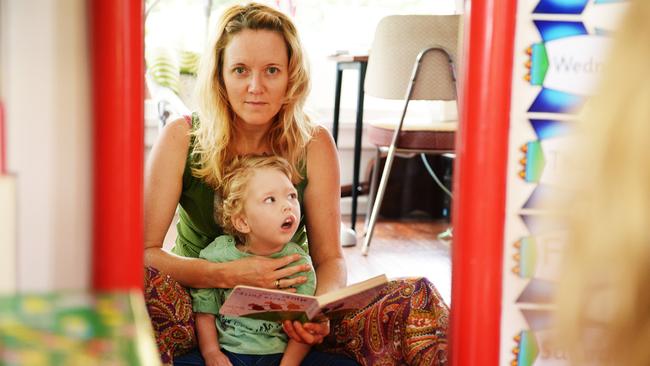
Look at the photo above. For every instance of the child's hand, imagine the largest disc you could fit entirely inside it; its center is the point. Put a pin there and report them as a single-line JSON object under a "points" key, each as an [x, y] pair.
{"points": [[308, 333], [216, 358]]}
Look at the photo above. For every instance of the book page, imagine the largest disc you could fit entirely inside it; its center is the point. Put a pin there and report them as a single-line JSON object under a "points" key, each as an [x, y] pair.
{"points": [[275, 305], [353, 297], [271, 305]]}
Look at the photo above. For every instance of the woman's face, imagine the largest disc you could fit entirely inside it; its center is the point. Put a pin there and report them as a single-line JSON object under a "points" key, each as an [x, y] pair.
{"points": [[255, 73]]}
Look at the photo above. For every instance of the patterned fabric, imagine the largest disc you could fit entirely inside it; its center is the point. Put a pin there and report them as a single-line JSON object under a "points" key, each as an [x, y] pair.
{"points": [[170, 309], [406, 325]]}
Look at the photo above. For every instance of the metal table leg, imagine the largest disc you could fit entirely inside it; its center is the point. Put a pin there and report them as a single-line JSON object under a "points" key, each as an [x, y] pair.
{"points": [[358, 130], [337, 104]]}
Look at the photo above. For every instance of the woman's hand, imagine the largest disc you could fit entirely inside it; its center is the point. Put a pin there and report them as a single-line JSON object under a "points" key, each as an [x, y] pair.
{"points": [[307, 333], [270, 273]]}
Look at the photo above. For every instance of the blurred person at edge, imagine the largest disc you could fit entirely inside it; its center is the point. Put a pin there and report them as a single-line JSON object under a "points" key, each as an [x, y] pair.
{"points": [[603, 314]]}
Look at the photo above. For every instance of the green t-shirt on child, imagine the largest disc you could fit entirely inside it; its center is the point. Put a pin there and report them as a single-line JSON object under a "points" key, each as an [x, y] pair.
{"points": [[239, 334]]}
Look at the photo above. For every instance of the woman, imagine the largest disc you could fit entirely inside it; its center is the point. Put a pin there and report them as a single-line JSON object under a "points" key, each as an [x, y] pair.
{"points": [[251, 87], [604, 303]]}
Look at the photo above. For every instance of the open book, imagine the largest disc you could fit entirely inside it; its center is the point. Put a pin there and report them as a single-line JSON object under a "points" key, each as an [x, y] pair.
{"points": [[276, 305]]}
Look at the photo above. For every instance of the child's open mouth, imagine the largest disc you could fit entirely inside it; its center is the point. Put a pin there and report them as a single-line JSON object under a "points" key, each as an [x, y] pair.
{"points": [[288, 223]]}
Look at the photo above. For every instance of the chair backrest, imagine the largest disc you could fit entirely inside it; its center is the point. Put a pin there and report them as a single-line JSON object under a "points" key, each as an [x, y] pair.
{"points": [[398, 40]]}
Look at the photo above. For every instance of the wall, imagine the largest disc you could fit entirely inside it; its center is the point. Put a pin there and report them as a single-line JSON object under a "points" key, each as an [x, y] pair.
{"points": [[46, 92]]}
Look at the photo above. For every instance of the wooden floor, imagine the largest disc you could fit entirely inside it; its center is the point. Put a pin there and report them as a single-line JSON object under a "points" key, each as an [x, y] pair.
{"points": [[403, 249]]}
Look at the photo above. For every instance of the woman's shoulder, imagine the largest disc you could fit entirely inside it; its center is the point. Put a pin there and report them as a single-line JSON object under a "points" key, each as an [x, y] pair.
{"points": [[178, 129], [175, 137], [321, 141], [321, 150], [320, 133], [169, 153]]}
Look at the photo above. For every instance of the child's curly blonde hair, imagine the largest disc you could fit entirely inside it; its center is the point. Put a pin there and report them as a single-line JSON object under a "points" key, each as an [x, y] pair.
{"points": [[234, 184]]}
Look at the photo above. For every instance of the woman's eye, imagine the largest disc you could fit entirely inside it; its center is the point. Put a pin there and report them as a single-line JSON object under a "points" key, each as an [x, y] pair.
{"points": [[273, 70], [239, 70], [269, 200]]}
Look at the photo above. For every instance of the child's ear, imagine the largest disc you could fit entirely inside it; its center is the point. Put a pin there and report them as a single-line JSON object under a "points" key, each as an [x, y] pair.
{"points": [[240, 224]]}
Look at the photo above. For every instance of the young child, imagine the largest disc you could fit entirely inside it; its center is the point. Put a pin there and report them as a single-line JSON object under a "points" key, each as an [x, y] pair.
{"points": [[260, 212]]}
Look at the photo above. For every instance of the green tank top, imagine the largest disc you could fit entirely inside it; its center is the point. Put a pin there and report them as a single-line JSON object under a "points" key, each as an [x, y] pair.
{"points": [[196, 226]]}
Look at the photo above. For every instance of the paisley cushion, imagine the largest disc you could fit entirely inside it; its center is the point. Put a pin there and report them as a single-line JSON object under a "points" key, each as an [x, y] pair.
{"points": [[170, 309], [406, 325]]}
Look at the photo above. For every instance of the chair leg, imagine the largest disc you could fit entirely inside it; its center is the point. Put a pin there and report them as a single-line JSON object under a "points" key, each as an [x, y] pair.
{"points": [[389, 160], [380, 196], [374, 180]]}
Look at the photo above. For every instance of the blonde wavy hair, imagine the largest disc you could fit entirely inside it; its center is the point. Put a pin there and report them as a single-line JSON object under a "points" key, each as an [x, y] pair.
{"points": [[292, 128], [604, 292], [235, 184]]}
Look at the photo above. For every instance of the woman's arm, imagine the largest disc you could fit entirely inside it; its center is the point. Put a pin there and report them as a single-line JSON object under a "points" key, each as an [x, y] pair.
{"points": [[162, 189], [163, 182], [323, 212], [322, 208]]}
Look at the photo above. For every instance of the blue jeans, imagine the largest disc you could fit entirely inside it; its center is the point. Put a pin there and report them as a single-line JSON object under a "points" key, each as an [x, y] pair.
{"points": [[314, 358]]}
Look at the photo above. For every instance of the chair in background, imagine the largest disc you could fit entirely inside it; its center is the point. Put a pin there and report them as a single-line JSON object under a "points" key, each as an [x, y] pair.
{"points": [[412, 58]]}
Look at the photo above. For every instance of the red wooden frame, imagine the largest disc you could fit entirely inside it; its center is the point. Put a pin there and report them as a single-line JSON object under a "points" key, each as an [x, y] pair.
{"points": [[480, 183], [117, 57]]}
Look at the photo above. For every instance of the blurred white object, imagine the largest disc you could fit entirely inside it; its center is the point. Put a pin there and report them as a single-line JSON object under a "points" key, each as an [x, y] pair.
{"points": [[7, 234], [443, 111], [168, 104], [348, 237]]}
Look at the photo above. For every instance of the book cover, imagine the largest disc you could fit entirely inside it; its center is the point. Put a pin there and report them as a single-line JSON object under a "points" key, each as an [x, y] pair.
{"points": [[76, 328], [276, 305]]}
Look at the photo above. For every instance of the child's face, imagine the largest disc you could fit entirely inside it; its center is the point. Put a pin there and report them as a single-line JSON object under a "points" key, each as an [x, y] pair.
{"points": [[271, 210]]}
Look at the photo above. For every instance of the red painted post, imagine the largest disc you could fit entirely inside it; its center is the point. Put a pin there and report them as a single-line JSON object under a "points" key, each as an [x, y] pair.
{"points": [[117, 56], [480, 183]]}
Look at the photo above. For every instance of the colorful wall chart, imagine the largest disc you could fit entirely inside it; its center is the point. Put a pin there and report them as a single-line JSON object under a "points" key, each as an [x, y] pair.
{"points": [[560, 48]]}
